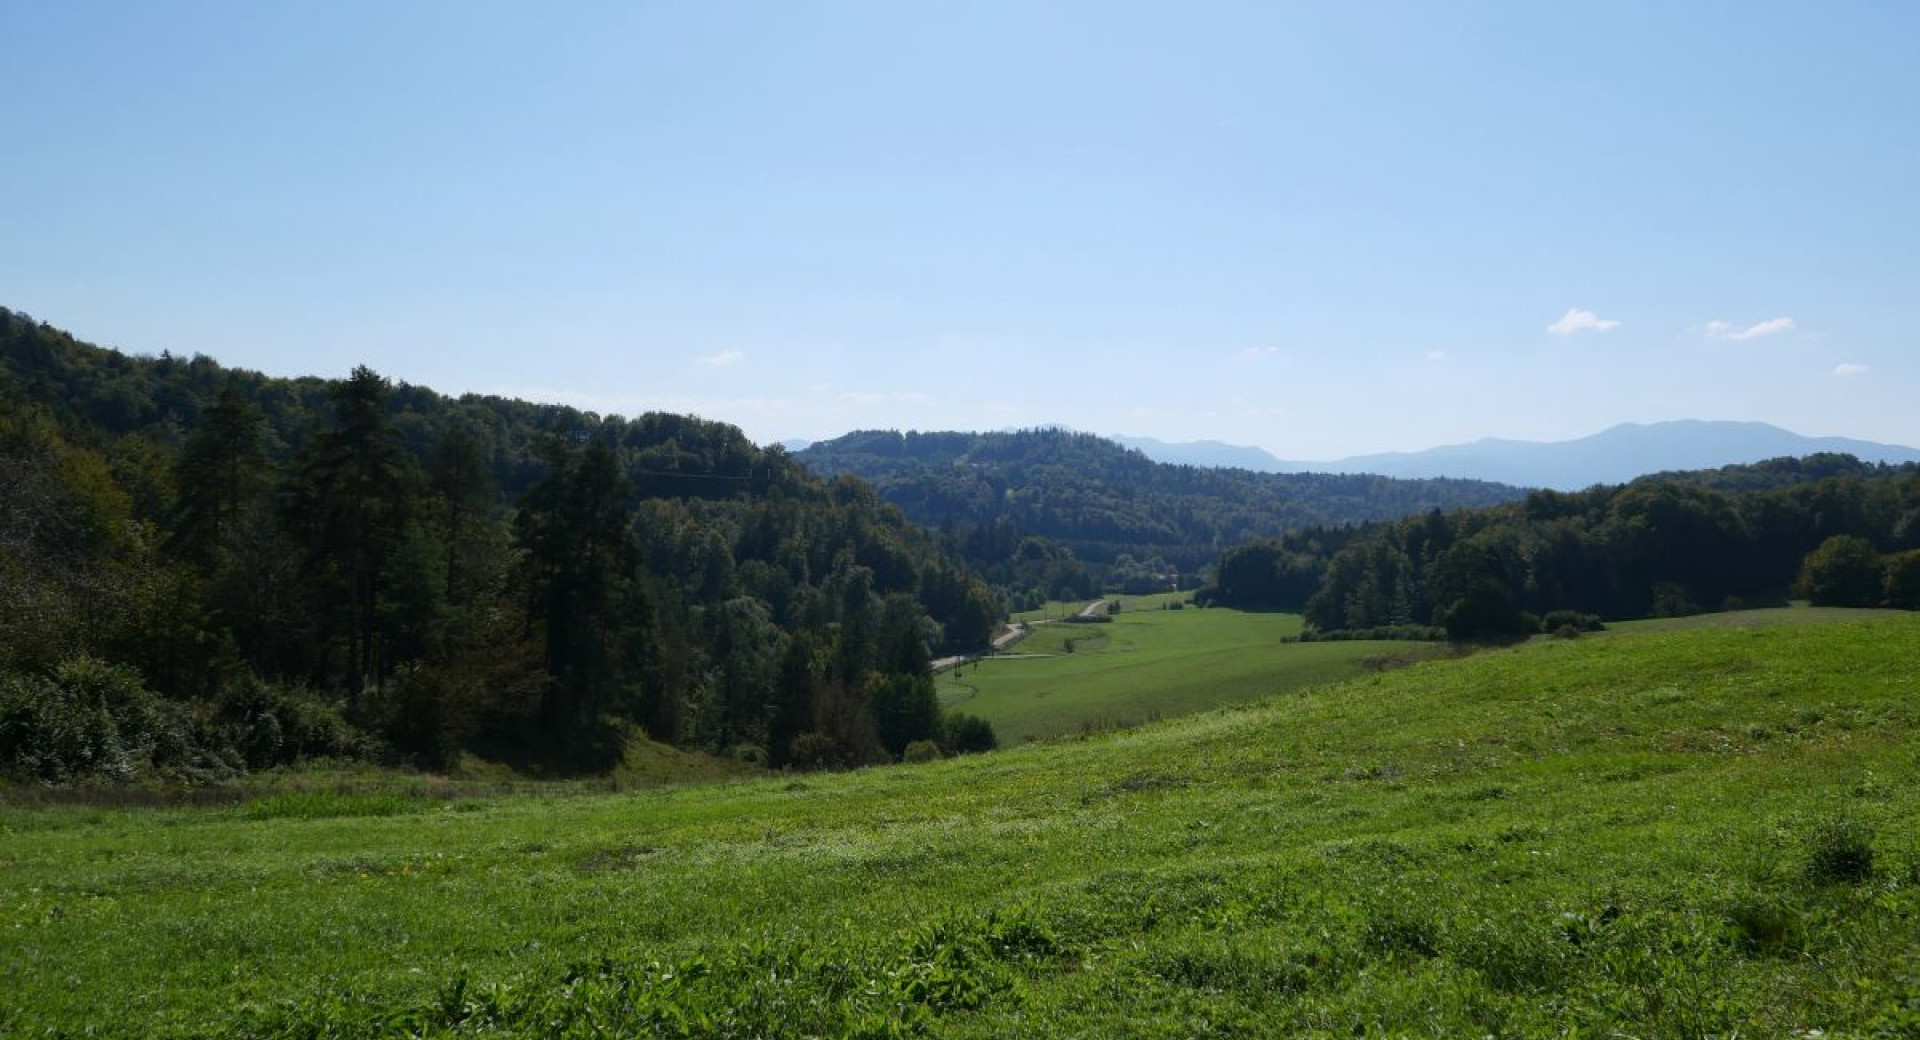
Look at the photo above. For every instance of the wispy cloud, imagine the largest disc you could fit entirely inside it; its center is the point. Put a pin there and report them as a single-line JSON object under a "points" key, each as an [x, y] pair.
{"points": [[724, 359], [1251, 353], [1578, 320], [1849, 369], [1436, 355], [1728, 330]]}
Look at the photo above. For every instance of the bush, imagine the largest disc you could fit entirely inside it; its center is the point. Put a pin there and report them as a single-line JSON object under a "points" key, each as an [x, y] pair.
{"points": [[1843, 572], [92, 720], [1840, 851], [814, 750], [1559, 619], [967, 734], [1902, 586], [269, 725], [749, 754], [921, 751]]}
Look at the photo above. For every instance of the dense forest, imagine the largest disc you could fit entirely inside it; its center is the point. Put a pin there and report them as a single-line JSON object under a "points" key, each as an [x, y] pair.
{"points": [[206, 570], [1113, 507], [1829, 528]]}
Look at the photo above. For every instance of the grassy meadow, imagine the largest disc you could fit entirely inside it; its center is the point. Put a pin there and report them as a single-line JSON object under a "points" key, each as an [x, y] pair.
{"points": [[1661, 834], [1150, 663]]}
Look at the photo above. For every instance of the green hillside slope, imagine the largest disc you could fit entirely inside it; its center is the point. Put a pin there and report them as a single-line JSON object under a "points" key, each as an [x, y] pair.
{"points": [[1152, 664], [1656, 834]]}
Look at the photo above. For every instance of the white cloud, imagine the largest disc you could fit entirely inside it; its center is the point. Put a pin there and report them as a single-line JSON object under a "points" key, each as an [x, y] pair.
{"points": [[724, 359], [1849, 370], [1577, 320], [1727, 330], [1251, 353], [1436, 355]]}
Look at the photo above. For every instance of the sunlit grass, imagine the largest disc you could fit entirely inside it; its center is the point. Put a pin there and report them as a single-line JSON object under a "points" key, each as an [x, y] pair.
{"points": [[1695, 833]]}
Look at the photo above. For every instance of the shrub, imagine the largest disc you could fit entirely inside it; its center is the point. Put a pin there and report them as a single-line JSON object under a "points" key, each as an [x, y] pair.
{"points": [[921, 751], [814, 750], [1902, 587], [92, 720], [1843, 572], [270, 725], [1558, 619], [1840, 851], [967, 734], [750, 754]]}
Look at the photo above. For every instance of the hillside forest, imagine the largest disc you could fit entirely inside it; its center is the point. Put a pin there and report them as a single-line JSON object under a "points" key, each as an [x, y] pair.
{"points": [[1139, 525], [1827, 528], [205, 571]]}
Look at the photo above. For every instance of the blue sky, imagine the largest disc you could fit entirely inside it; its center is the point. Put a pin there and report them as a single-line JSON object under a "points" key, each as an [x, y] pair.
{"points": [[1323, 229]]}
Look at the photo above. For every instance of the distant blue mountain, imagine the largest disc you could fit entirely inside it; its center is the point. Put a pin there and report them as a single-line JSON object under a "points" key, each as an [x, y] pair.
{"points": [[1205, 453], [1612, 456]]}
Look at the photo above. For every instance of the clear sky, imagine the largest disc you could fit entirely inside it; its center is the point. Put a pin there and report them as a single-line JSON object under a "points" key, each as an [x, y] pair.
{"points": [[1320, 228]]}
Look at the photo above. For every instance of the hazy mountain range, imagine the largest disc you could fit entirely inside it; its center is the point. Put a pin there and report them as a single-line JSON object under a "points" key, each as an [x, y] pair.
{"points": [[1612, 456]]}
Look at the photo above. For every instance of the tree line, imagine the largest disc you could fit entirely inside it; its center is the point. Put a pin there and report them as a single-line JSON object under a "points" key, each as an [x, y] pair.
{"points": [[1830, 528], [206, 570]]}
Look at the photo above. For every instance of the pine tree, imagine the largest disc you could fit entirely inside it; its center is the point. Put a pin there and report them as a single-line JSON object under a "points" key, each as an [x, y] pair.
{"points": [[353, 505], [221, 472]]}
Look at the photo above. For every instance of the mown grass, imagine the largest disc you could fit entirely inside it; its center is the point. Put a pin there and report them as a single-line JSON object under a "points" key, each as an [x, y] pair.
{"points": [[1666, 834], [1150, 663]]}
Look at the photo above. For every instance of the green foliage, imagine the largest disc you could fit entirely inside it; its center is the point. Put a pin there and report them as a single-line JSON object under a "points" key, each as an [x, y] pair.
{"points": [[921, 751], [1264, 575], [905, 710], [270, 725], [964, 734], [1903, 580], [1658, 547], [1471, 594], [447, 575], [1579, 621], [1843, 572], [93, 721]]}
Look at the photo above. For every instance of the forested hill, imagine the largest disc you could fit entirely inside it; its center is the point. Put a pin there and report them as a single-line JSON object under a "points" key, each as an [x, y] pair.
{"points": [[1103, 500], [204, 569], [1829, 528]]}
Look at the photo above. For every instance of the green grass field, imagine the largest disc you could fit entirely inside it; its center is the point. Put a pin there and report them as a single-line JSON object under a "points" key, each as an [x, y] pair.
{"points": [[1799, 614], [1664, 834], [1150, 663], [1051, 610]]}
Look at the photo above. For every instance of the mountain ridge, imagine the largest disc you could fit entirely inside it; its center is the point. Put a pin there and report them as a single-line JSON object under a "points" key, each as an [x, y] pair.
{"points": [[1615, 455]]}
